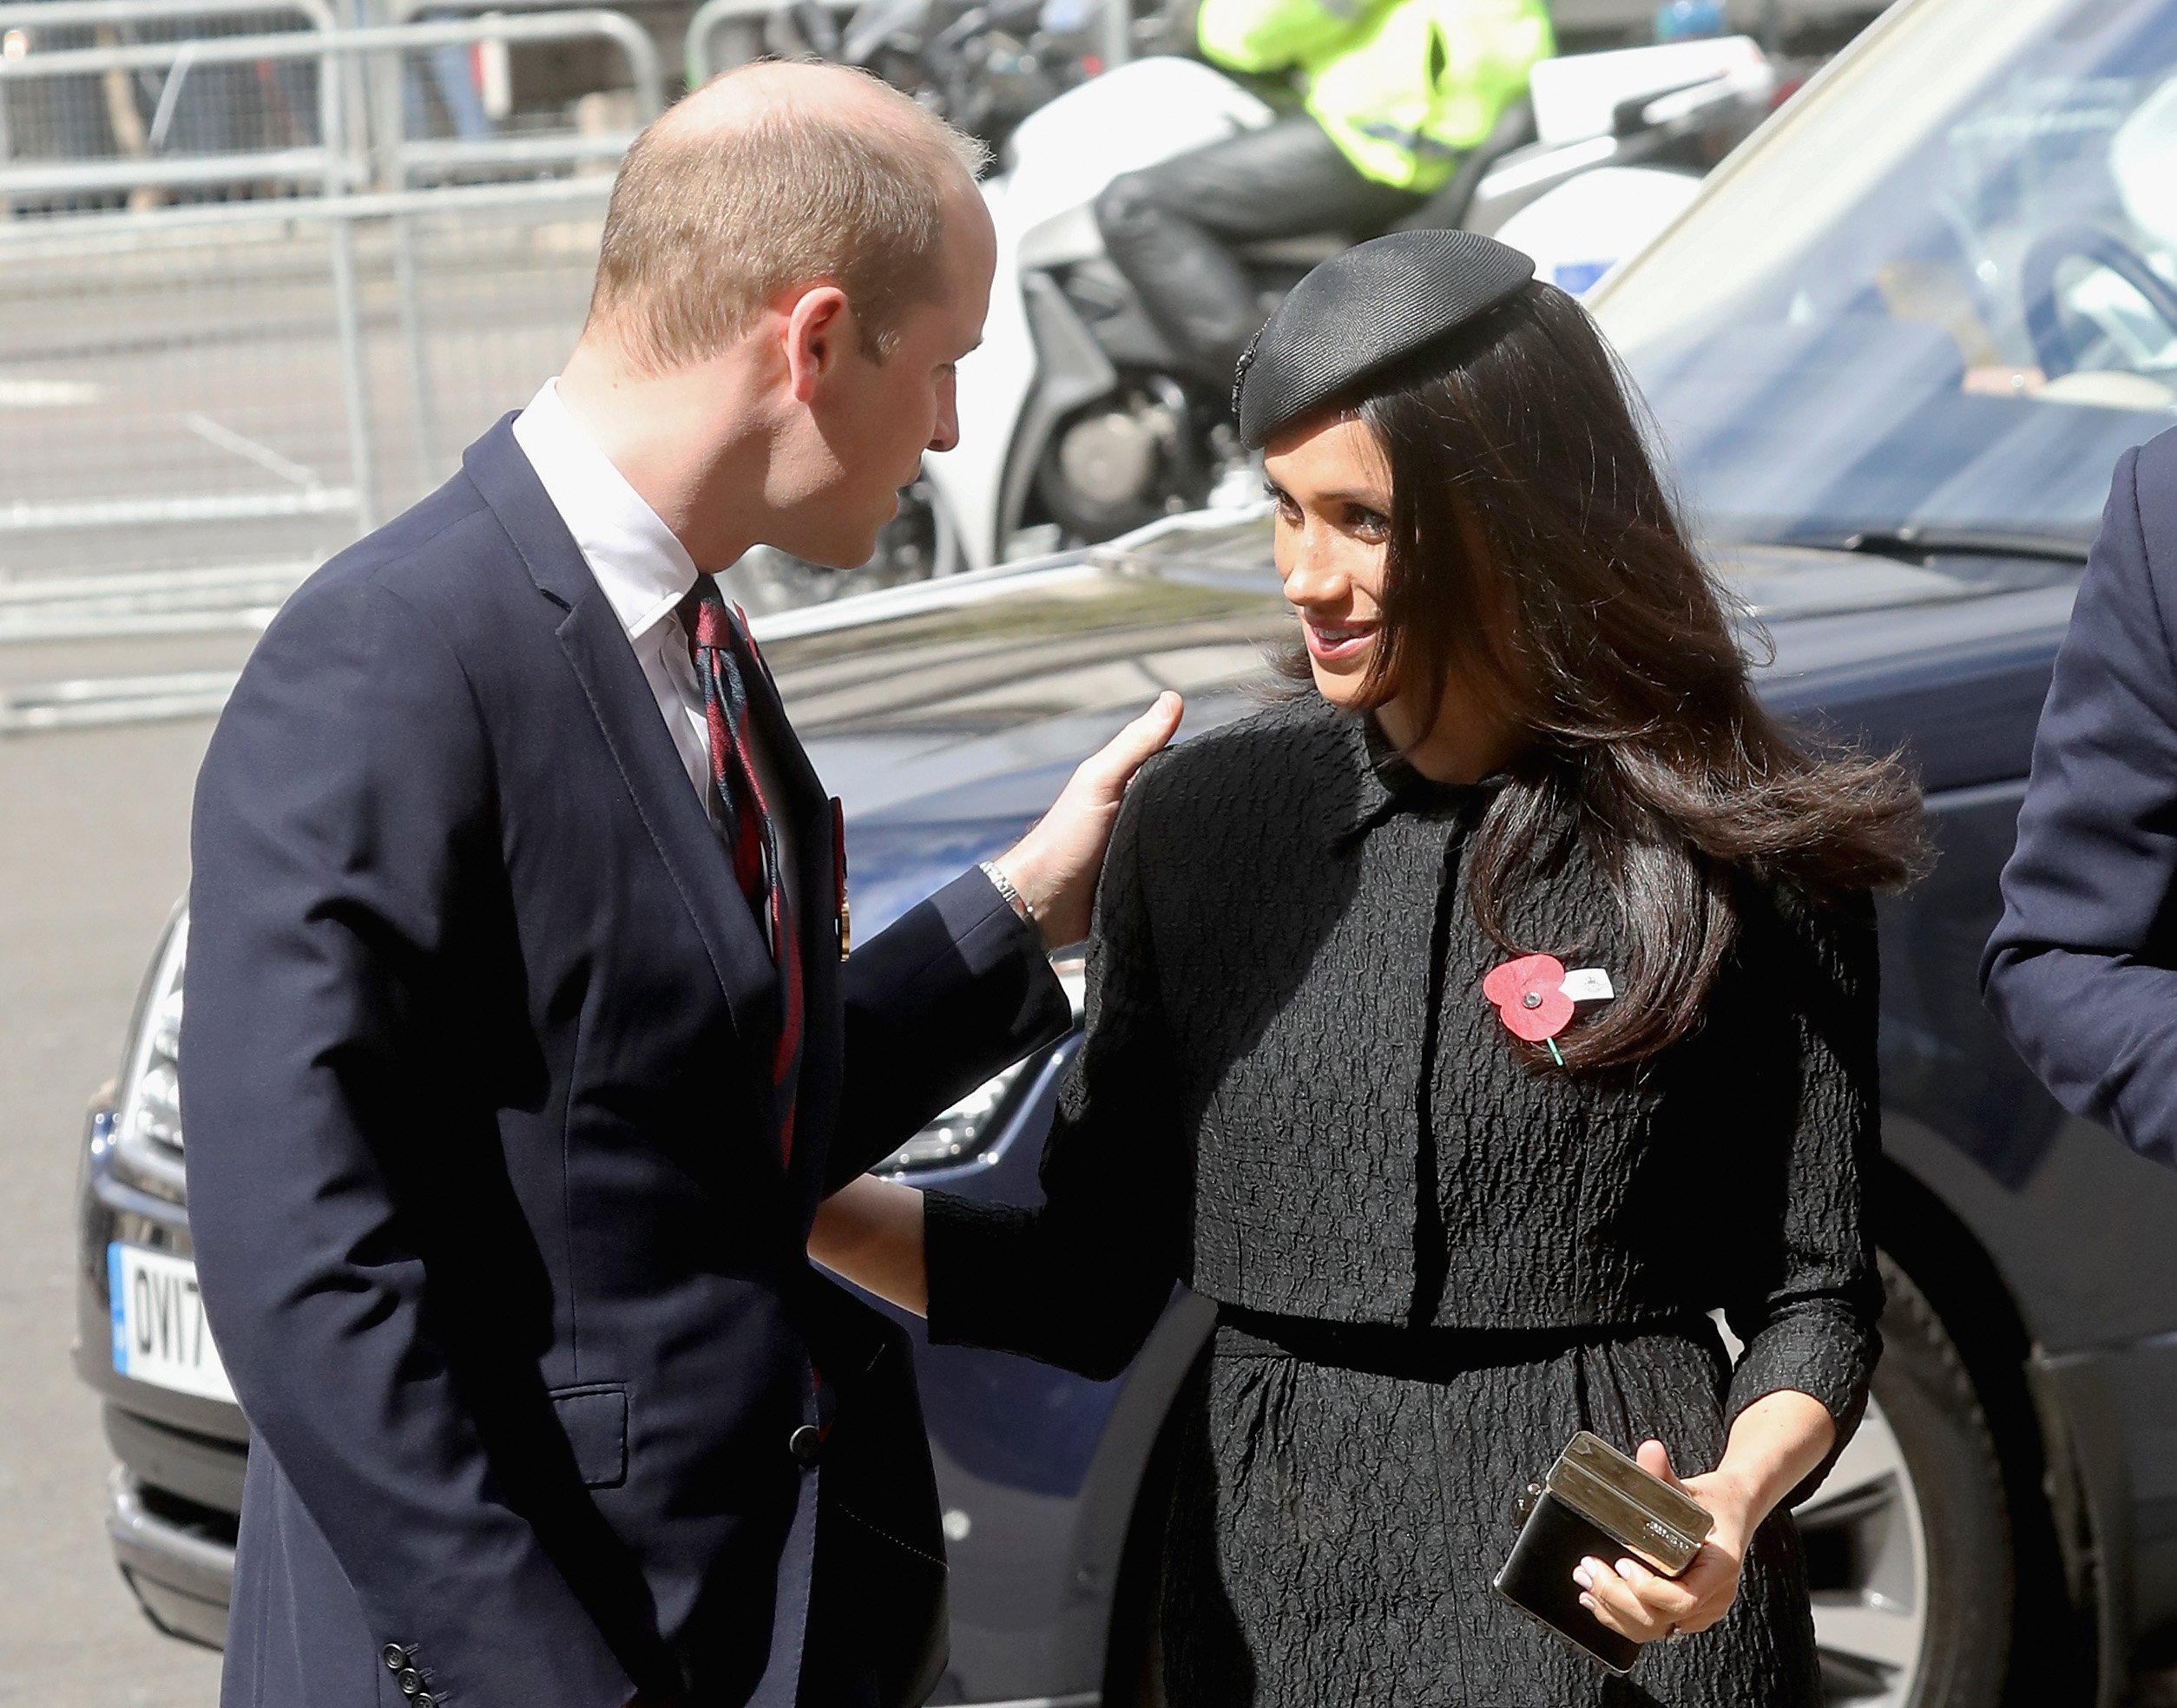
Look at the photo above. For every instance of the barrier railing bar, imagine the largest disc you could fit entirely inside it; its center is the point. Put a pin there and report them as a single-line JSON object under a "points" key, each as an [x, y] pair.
{"points": [[73, 231], [23, 517], [32, 628], [454, 153], [229, 581], [270, 165], [62, 14], [617, 27], [114, 699], [406, 9]]}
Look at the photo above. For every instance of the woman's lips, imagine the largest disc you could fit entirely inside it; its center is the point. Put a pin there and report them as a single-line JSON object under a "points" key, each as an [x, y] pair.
{"points": [[1337, 643]]}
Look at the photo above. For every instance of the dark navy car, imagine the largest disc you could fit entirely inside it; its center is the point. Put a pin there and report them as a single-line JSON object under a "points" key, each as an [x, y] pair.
{"points": [[1896, 347]]}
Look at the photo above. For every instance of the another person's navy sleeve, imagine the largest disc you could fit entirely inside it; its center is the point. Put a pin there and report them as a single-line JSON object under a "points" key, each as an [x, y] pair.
{"points": [[2081, 972]]}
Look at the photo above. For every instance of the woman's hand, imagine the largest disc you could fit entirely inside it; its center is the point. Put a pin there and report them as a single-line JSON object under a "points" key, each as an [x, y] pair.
{"points": [[1645, 1606], [1775, 1444]]}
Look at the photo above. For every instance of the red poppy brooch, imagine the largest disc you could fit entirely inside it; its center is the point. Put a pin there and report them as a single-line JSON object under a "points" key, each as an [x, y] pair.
{"points": [[1535, 996]]}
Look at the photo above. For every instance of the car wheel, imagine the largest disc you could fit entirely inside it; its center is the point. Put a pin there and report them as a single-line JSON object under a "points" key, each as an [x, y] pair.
{"points": [[1908, 1541]]}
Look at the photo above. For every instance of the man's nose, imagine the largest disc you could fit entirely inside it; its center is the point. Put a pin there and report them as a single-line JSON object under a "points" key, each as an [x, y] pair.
{"points": [[946, 434]]}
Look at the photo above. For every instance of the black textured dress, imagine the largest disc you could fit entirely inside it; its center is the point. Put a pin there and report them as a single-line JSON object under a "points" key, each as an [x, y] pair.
{"points": [[1433, 1261]]}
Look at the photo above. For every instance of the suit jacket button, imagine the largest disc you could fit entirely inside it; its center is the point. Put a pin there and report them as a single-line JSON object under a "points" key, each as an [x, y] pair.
{"points": [[411, 1682], [806, 1443], [394, 1656]]}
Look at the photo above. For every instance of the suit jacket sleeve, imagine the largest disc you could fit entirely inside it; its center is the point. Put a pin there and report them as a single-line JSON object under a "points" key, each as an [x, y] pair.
{"points": [[344, 815], [2081, 972], [1080, 1281], [955, 990]]}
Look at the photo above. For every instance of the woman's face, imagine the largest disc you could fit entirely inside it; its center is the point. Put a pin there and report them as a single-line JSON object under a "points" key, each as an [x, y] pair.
{"points": [[1333, 493]]}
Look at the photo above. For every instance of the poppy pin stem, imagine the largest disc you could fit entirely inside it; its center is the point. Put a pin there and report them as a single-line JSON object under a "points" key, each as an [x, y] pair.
{"points": [[1554, 1056]]}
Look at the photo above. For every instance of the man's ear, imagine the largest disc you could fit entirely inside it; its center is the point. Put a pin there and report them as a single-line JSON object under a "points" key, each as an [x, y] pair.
{"points": [[820, 335]]}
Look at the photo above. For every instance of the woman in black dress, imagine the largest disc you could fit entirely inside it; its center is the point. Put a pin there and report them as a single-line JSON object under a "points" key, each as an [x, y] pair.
{"points": [[1454, 1202]]}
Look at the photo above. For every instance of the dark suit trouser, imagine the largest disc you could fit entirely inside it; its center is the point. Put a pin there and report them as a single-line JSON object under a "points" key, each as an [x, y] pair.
{"points": [[1171, 229]]}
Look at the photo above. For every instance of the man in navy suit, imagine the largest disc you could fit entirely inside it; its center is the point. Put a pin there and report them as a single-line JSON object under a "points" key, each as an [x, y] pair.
{"points": [[522, 1040], [2081, 972]]}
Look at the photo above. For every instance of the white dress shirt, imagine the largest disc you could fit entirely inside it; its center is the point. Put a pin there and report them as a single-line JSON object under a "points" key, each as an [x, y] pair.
{"points": [[644, 572]]}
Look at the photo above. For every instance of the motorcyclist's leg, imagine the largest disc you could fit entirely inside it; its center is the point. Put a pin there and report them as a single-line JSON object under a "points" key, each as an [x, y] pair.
{"points": [[1170, 228]]}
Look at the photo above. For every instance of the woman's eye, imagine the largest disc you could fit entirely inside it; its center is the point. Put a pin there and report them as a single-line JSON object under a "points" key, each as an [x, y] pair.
{"points": [[1362, 520]]}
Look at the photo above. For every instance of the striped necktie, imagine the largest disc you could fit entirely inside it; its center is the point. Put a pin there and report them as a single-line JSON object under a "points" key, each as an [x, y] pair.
{"points": [[726, 658]]}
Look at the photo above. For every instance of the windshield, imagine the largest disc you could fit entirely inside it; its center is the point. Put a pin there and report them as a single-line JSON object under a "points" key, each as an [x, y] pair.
{"points": [[1937, 295]]}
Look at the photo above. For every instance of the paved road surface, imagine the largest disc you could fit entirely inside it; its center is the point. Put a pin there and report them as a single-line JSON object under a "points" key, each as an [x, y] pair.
{"points": [[93, 851]]}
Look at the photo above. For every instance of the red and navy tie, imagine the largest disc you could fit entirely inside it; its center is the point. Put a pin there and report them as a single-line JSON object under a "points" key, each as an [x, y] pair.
{"points": [[726, 658]]}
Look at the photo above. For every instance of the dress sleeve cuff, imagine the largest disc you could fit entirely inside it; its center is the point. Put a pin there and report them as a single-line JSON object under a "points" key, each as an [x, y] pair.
{"points": [[971, 1251], [1829, 1356]]}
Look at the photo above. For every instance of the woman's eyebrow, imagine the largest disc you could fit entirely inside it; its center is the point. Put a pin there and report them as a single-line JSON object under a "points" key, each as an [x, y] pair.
{"points": [[1366, 500]]}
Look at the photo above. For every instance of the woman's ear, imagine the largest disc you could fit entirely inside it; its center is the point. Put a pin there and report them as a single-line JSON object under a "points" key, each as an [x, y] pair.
{"points": [[819, 334]]}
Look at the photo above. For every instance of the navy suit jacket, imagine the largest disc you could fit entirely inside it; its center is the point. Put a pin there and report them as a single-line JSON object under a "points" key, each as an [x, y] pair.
{"points": [[2081, 972], [486, 1191]]}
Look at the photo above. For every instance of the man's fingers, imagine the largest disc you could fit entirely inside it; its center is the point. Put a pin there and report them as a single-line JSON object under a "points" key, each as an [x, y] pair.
{"points": [[1113, 766]]}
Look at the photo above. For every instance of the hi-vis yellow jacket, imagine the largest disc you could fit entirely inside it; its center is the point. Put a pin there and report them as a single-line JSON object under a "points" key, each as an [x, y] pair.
{"points": [[1403, 86]]}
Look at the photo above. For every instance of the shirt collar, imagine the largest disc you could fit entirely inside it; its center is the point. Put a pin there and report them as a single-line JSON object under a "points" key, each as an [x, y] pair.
{"points": [[640, 564]]}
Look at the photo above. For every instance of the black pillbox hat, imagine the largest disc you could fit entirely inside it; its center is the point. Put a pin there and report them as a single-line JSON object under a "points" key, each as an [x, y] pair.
{"points": [[1361, 311]]}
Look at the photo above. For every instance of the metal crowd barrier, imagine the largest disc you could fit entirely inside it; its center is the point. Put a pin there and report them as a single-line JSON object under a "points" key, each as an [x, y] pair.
{"points": [[207, 390], [407, 157], [238, 337]]}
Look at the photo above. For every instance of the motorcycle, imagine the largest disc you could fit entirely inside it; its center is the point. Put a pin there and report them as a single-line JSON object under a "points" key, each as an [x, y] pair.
{"points": [[1077, 420]]}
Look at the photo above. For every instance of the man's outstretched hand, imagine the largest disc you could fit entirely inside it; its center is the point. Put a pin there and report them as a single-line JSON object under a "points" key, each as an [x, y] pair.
{"points": [[1054, 866]]}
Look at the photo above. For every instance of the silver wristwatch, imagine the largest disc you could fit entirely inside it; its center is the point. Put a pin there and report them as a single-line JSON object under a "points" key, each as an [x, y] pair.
{"points": [[1004, 885]]}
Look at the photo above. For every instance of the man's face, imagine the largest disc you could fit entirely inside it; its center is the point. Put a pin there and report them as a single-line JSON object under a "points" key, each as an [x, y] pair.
{"points": [[877, 418]]}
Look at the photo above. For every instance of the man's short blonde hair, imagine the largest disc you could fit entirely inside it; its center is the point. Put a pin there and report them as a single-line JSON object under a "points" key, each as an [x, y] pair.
{"points": [[771, 176]]}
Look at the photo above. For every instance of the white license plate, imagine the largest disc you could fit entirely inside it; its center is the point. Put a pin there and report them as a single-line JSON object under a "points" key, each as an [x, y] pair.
{"points": [[160, 1334]]}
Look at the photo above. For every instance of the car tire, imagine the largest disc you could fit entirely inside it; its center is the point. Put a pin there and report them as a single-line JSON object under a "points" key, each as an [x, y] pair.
{"points": [[1908, 1540]]}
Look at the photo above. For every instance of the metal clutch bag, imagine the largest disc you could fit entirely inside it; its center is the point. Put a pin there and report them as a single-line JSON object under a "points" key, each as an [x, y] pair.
{"points": [[1596, 1503]]}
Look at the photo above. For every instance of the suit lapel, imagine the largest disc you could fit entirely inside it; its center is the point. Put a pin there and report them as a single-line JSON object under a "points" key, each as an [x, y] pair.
{"points": [[620, 698]]}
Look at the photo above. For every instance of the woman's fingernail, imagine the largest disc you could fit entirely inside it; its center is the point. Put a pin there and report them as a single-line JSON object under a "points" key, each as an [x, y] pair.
{"points": [[1625, 1569], [1580, 1576], [1588, 1601]]}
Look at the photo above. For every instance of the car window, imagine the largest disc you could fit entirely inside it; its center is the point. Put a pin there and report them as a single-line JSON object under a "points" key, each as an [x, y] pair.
{"points": [[1938, 293]]}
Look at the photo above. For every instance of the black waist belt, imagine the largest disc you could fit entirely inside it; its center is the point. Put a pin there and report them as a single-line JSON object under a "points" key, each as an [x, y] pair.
{"points": [[1429, 1353]]}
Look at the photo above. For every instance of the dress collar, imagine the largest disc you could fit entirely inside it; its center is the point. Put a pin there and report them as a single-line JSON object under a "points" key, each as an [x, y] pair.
{"points": [[1385, 784], [640, 564]]}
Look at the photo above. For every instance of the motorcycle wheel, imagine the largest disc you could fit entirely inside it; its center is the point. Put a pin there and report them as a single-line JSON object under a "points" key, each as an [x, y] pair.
{"points": [[1125, 460]]}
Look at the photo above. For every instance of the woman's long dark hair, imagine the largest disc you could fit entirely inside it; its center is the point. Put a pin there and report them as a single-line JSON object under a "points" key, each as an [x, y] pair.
{"points": [[1597, 625]]}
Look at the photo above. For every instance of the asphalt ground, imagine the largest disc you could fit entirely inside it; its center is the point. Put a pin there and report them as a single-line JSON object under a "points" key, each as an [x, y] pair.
{"points": [[94, 827]]}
